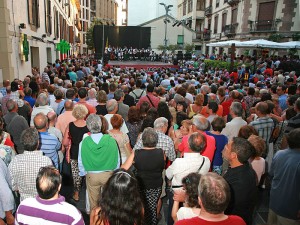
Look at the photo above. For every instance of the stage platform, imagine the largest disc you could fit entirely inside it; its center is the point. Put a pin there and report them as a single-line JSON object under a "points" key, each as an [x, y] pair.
{"points": [[147, 66]]}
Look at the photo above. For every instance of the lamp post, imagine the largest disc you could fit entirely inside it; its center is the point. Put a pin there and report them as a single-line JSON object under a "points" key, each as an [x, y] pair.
{"points": [[167, 8]]}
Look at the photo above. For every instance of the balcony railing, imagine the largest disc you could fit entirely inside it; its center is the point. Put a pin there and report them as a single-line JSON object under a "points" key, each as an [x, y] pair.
{"points": [[263, 25], [230, 30], [206, 36], [233, 2], [198, 36], [208, 11]]}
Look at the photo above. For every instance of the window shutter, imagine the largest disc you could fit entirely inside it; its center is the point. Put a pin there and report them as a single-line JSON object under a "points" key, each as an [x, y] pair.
{"points": [[37, 13], [30, 9], [46, 16]]}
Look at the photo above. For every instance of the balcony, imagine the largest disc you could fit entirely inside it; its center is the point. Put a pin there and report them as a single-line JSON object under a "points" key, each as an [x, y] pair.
{"points": [[206, 35], [208, 11], [263, 26], [230, 30], [198, 36], [233, 2]]}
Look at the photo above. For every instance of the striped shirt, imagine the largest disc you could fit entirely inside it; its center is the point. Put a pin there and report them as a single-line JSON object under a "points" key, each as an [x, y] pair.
{"points": [[47, 212], [50, 145]]}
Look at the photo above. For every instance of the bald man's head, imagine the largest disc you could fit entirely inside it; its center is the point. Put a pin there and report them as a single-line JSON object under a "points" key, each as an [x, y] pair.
{"points": [[69, 105], [40, 121], [51, 116]]}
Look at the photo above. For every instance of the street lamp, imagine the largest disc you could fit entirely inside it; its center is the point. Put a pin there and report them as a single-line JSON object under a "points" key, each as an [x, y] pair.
{"points": [[167, 8]]}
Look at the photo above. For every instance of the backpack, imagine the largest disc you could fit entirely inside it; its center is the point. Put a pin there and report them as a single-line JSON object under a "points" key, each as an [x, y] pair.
{"points": [[136, 100]]}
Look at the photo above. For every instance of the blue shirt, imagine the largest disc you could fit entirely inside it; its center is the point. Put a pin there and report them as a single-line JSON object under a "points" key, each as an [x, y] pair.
{"points": [[49, 145], [282, 101], [285, 189], [30, 100], [221, 141]]}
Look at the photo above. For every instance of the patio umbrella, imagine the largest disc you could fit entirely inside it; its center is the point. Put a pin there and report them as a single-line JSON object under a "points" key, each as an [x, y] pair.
{"points": [[260, 43], [224, 44], [291, 44]]}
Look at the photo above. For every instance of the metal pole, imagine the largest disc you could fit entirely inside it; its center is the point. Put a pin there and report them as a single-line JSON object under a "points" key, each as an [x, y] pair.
{"points": [[166, 35], [103, 43]]}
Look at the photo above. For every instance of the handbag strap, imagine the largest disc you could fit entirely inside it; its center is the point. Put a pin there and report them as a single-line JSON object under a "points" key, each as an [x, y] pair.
{"points": [[201, 165], [150, 101]]}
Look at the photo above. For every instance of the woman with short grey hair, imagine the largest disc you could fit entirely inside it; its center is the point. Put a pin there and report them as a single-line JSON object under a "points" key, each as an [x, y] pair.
{"points": [[148, 174], [94, 123], [72, 138]]}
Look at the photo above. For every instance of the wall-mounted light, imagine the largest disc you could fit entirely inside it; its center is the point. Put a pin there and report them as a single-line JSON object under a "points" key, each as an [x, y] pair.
{"points": [[54, 39], [22, 26], [44, 35], [66, 4]]}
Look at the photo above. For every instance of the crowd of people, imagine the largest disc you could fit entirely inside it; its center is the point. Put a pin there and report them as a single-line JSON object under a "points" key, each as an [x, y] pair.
{"points": [[204, 138]]}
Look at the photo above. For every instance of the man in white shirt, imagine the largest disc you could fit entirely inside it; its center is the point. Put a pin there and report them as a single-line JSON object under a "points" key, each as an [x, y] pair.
{"points": [[112, 108], [233, 127], [192, 162]]}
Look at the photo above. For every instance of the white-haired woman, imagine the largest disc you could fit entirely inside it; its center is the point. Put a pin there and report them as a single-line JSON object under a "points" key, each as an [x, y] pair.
{"points": [[74, 133]]}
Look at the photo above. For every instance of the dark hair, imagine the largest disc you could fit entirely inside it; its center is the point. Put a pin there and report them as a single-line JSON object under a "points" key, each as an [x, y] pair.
{"points": [[262, 107], [218, 123], [183, 103], [150, 88], [70, 93], [30, 139], [47, 182], [144, 107], [120, 200], [14, 86], [290, 113], [213, 106], [82, 92], [164, 111], [133, 115], [197, 142], [246, 131], [242, 148], [191, 183], [181, 116], [293, 139], [251, 91]]}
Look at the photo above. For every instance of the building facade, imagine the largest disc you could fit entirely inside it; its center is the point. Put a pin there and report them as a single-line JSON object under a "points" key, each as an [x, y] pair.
{"points": [[30, 31], [143, 11], [277, 20], [174, 33], [122, 12]]}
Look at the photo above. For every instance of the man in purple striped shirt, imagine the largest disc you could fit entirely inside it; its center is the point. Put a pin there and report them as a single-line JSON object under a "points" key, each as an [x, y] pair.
{"points": [[48, 207]]}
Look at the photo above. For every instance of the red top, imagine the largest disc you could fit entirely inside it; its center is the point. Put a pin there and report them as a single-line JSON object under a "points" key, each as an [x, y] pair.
{"points": [[234, 76], [153, 102], [231, 220]]}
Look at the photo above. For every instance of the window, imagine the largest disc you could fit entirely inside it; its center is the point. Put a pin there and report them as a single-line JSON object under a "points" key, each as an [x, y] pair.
{"points": [[33, 13], [180, 39], [48, 17], [217, 3], [216, 24], [87, 3], [190, 6], [234, 16], [55, 21], [200, 5], [83, 38], [87, 14], [184, 8], [224, 18]]}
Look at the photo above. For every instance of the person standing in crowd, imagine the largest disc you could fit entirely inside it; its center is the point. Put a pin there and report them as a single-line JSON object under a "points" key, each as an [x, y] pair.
{"points": [[149, 175], [72, 137], [48, 206], [116, 205], [285, 173], [24, 167], [241, 179], [98, 156], [15, 125], [149, 97], [122, 108], [214, 196], [43, 107]]}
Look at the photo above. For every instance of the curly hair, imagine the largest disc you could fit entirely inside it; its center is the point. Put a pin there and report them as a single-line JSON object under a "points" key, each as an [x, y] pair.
{"points": [[120, 200], [191, 183]]}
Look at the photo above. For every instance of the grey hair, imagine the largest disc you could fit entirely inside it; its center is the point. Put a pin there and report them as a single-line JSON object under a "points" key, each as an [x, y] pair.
{"points": [[42, 99], [201, 123], [111, 105], [30, 139], [92, 93], [118, 95], [94, 124], [205, 88], [237, 108], [149, 137], [10, 105], [160, 122], [195, 144]]}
